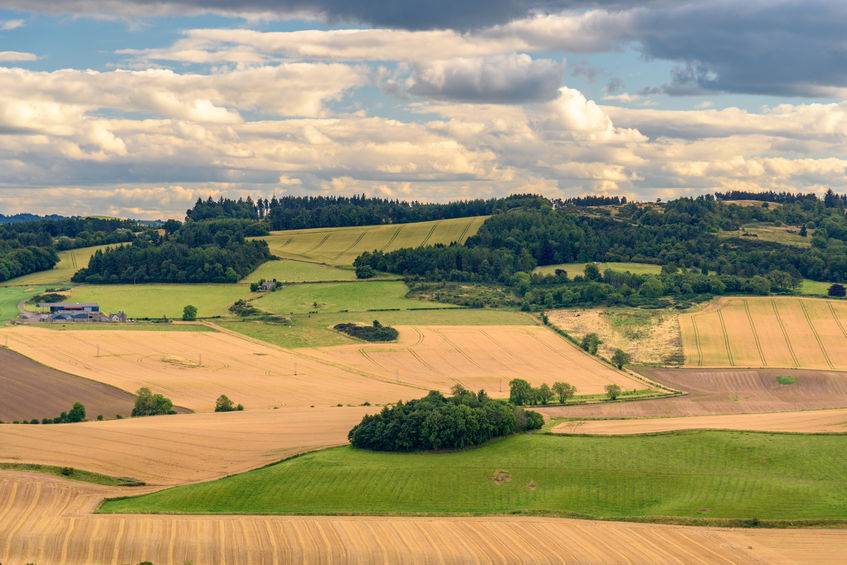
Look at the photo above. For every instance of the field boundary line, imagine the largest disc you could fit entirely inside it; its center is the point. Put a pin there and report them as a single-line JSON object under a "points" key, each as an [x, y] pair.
{"points": [[696, 341], [815, 333], [392, 238], [755, 333], [726, 340], [835, 317], [429, 235], [784, 333]]}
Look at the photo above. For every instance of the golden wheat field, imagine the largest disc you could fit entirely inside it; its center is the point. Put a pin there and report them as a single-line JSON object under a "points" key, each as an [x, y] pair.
{"points": [[813, 421], [340, 246], [167, 450], [194, 368], [783, 332], [48, 520]]}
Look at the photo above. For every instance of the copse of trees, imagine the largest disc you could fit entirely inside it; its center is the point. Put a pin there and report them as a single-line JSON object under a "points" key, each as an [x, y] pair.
{"points": [[224, 404], [374, 332], [435, 421], [521, 393], [149, 404]]}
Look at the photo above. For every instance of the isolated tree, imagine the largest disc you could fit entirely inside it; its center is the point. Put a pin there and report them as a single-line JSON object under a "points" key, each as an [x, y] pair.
{"points": [[520, 392], [564, 391], [590, 343], [837, 290], [803, 231], [149, 404], [613, 391], [189, 313], [620, 358], [76, 413], [224, 404], [544, 394]]}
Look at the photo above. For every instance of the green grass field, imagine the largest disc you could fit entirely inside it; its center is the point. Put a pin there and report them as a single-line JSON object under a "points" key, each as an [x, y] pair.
{"points": [[691, 476], [316, 330], [299, 271], [10, 296], [340, 246], [786, 235], [69, 263], [574, 269], [156, 300], [335, 297], [814, 288]]}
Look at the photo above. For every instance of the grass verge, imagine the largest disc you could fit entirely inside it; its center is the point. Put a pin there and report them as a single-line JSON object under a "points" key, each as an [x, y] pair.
{"points": [[73, 474]]}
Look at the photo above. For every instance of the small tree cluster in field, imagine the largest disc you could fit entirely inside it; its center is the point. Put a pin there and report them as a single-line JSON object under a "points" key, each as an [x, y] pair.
{"points": [[374, 332], [189, 313], [442, 422], [244, 309], [522, 393], [837, 290], [364, 271], [224, 404], [620, 358], [613, 391], [149, 404], [590, 342]]}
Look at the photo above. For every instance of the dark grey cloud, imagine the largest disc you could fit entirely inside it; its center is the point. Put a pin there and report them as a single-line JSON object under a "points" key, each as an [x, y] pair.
{"points": [[502, 79], [777, 47]]}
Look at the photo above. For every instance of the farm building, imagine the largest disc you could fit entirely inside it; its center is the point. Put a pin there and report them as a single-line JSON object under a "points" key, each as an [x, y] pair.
{"points": [[74, 312]]}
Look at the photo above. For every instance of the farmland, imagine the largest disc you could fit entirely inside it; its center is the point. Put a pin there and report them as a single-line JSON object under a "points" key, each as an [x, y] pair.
{"points": [[786, 235], [340, 246], [574, 269], [812, 421], [48, 520], [693, 475], [289, 271], [767, 332], [161, 300], [11, 296], [70, 262], [24, 381]]}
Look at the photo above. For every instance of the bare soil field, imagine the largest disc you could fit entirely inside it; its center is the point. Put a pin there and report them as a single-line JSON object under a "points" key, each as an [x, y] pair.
{"points": [[32, 390], [812, 421], [479, 357], [797, 332], [724, 391], [167, 450], [651, 337], [194, 368], [48, 520]]}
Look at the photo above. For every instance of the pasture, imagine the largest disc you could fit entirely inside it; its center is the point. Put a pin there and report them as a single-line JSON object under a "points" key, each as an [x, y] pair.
{"points": [[811, 421], [70, 262], [692, 476], [767, 332], [786, 235], [11, 296], [574, 269], [286, 270], [49, 521], [161, 300], [340, 246], [338, 297]]}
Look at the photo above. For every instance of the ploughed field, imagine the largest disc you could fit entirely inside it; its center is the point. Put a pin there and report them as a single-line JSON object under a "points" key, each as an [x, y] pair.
{"points": [[340, 246], [167, 450], [691, 476], [193, 368], [724, 391], [32, 390], [49, 520], [767, 332], [812, 421]]}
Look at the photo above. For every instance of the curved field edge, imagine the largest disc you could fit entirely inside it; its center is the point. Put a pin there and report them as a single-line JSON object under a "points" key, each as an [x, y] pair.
{"points": [[72, 473], [689, 477]]}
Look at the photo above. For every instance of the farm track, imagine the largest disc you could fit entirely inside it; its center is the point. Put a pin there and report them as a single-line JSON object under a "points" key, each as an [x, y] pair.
{"points": [[49, 520]]}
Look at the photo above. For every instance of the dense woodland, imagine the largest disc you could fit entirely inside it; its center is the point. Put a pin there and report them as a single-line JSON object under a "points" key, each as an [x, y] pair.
{"points": [[202, 251], [681, 235], [442, 422]]}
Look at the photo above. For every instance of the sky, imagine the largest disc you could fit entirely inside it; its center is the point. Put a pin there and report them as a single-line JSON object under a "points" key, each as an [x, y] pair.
{"points": [[135, 108]]}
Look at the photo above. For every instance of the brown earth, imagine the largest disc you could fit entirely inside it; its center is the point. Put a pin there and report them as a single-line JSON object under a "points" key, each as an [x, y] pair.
{"points": [[48, 520], [811, 421], [32, 390], [181, 448], [724, 391]]}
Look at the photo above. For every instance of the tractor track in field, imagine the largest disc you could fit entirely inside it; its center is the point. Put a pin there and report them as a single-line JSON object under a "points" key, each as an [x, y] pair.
{"points": [[429, 234], [784, 333], [815, 333], [755, 334]]}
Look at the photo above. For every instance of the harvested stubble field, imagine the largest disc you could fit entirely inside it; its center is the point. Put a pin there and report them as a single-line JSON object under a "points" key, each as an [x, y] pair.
{"points": [[48, 520], [812, 421], [692, 476], [167, 450], [649, 336], [32, 390], [767, 332], [479, 357], [724, 391], [193, 368], [340, 246]]}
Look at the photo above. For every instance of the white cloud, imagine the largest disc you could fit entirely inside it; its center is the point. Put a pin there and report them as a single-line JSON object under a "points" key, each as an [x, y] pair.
{"points": [[9, 25], [17, 56]]}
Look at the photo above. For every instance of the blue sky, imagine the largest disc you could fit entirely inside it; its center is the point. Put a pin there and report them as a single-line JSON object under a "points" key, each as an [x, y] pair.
{"points": [[132, 111]]}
